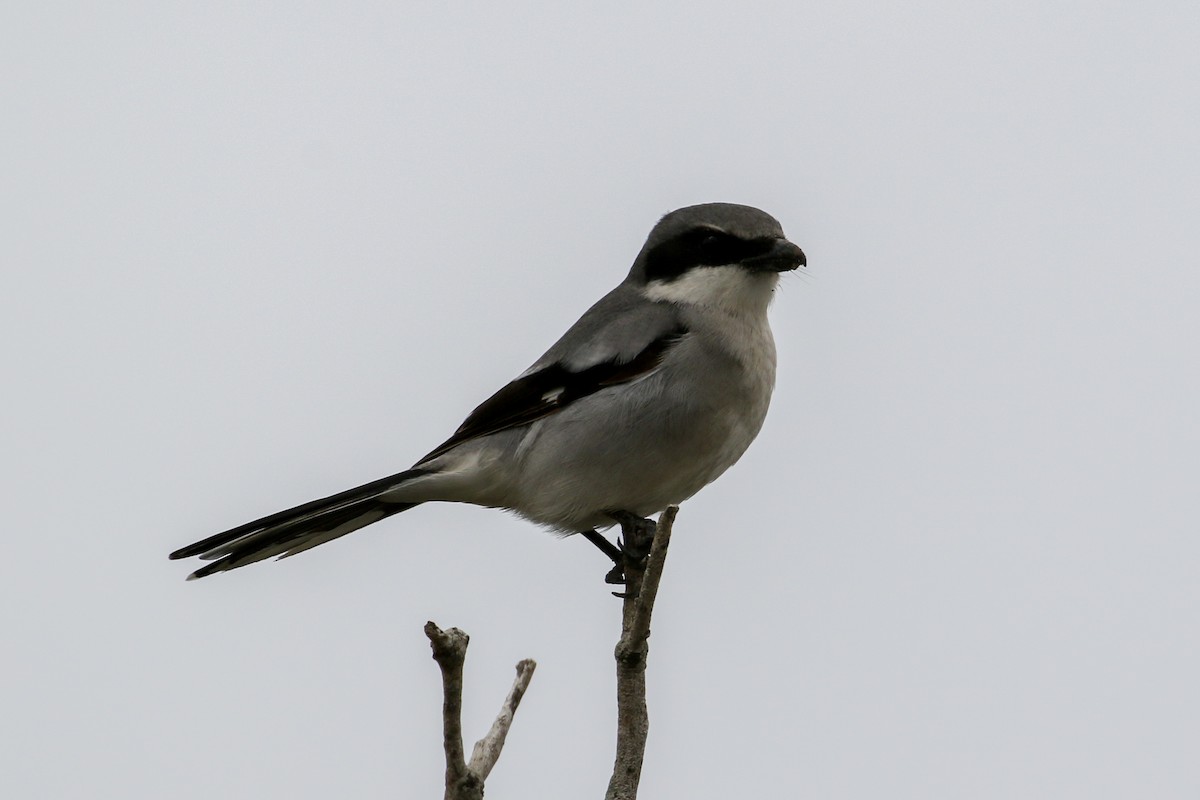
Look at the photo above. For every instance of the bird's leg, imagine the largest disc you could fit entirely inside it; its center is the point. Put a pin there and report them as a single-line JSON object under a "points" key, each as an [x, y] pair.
{"points": [[631, 549], [617, 573], [637, 535], [604, 545]]}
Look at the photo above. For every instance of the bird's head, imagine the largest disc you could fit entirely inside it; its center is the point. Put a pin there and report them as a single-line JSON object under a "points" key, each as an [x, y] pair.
{"points": [[717, 254]]}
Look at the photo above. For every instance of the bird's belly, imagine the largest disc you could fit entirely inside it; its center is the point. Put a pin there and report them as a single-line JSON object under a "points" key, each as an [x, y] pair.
{"points": [[656, 452]]}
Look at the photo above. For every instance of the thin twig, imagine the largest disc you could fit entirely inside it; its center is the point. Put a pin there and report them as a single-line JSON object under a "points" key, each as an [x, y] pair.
{"points": [[450, 651], [487, 750], [465, 781], [633, 721]]}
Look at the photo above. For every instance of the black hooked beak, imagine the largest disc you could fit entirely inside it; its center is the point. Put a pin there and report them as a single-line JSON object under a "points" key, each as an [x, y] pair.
{"points": [[782, 257]]}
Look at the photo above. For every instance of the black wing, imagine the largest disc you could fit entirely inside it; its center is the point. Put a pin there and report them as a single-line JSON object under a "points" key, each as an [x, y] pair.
{"points": [[553, 388]]}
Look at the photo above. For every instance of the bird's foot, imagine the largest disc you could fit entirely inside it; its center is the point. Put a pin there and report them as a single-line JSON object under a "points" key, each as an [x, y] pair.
{"points": [[631, 548], [638, 534]]}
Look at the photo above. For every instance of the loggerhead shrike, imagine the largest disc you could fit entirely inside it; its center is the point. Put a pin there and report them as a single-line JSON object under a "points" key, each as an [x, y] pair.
{"points": [[656, 390]]}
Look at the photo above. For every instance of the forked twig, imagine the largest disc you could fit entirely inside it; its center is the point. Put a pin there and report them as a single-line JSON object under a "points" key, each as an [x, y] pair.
{"points": [[464, 781]]}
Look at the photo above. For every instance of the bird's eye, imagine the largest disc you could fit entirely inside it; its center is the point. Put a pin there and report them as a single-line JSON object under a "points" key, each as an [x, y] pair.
{"points": [[715, 247], [713, 243], [696, 247]]}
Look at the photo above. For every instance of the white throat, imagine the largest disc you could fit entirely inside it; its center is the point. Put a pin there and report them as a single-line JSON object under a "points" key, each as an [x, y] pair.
{"points": [[731, 289]]}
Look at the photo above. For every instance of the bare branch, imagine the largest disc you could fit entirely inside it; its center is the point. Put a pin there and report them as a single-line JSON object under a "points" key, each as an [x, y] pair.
{"points": [[487, 750], [632, 650], [450, 651], [465, 781]]}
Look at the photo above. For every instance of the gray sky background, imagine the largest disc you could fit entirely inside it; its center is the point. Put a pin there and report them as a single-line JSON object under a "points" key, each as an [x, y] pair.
{"points": [[258, 253]]}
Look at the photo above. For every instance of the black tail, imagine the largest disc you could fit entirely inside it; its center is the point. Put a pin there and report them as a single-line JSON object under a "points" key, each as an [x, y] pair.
{"points": [[295, 530]]}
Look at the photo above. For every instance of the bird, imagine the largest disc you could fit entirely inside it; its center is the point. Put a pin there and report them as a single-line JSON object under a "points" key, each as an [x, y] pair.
{"points": [[651, 395]]}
